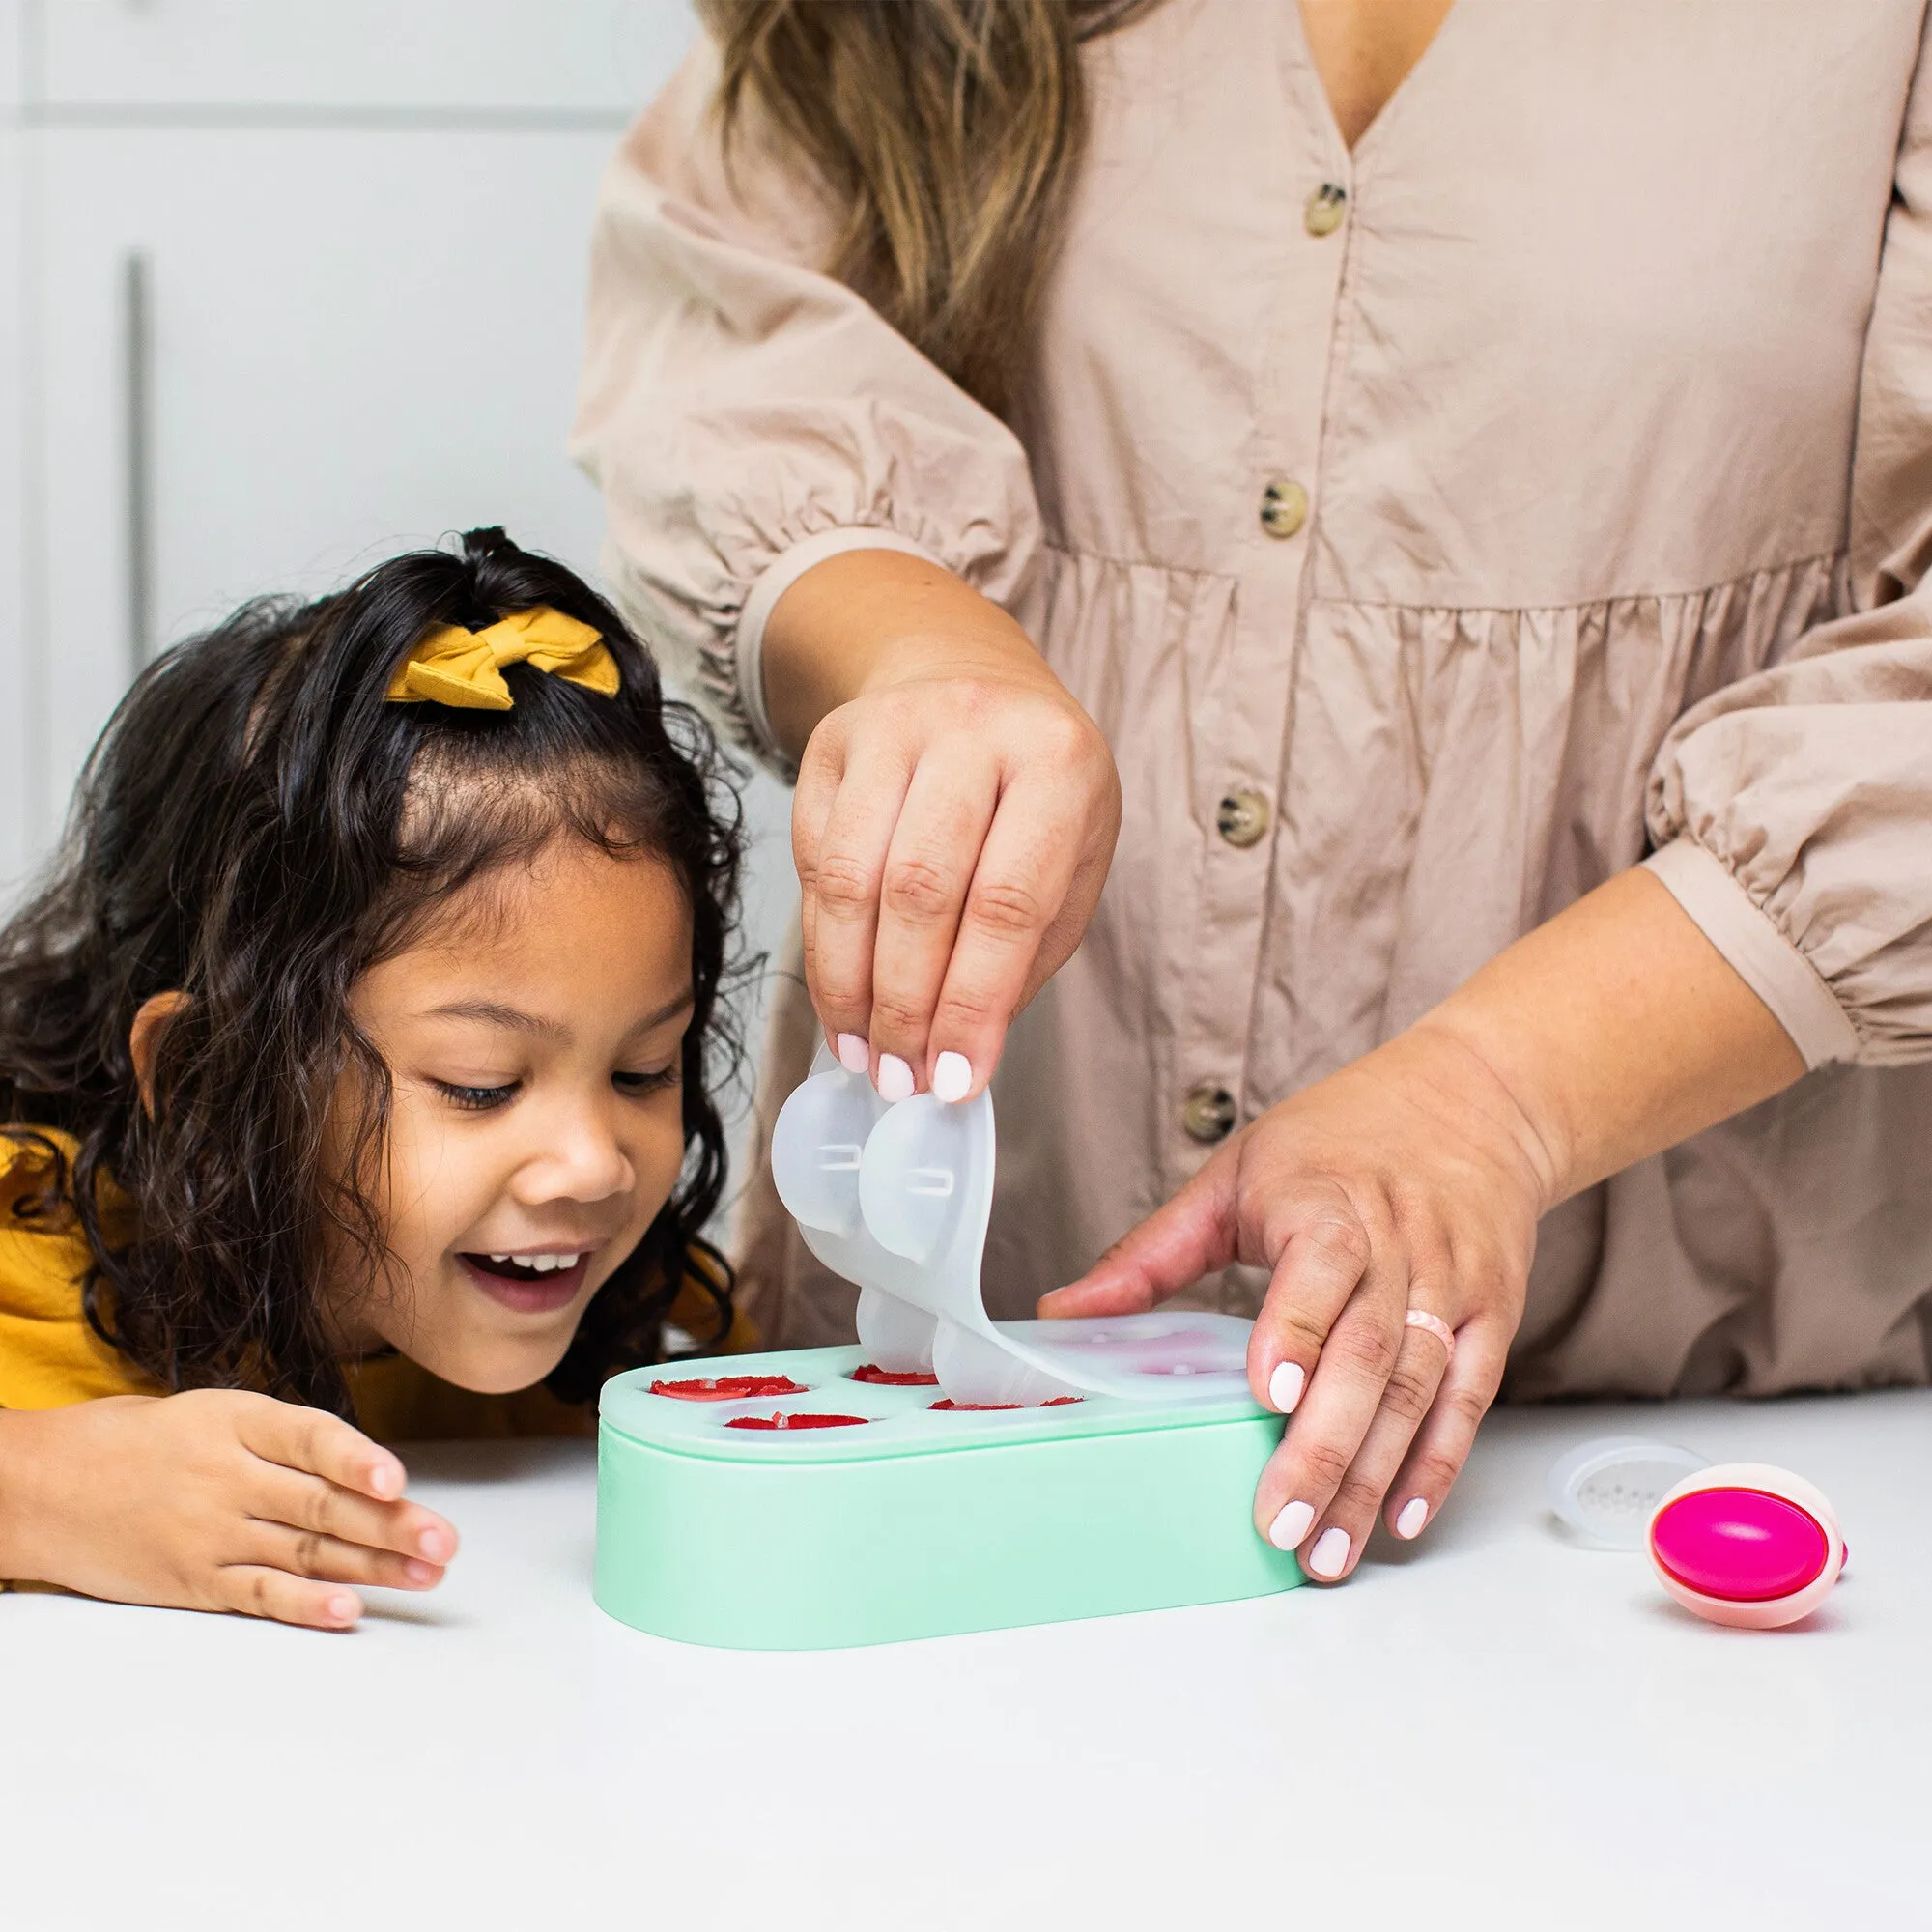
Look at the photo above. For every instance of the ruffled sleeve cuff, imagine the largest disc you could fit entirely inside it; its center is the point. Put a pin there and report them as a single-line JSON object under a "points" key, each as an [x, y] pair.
{"points": [[1767, 962], [772, 584]]}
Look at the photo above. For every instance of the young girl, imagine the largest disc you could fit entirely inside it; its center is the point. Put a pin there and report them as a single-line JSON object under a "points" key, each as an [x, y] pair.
{"points": [[353, 1071]]}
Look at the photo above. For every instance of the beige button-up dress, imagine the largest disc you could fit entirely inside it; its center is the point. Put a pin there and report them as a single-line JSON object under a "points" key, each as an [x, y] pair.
{"points": [[1542, 489]]}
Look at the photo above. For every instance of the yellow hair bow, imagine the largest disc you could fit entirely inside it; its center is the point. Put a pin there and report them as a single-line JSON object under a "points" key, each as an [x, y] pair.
{"points": [[464, 668]]}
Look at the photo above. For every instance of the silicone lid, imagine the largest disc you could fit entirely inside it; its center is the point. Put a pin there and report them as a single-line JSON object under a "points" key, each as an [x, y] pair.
{"points": [[897, 1198], [1743, 1545]]}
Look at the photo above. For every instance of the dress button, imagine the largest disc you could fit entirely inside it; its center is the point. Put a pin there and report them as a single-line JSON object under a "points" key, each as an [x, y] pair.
{"points": [[1323, 213], [1284, 507], [1242, 817], [1207, 1113]]}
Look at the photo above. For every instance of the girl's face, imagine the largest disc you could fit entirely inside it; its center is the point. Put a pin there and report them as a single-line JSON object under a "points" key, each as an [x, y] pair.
{"points": [[534, 1036]]}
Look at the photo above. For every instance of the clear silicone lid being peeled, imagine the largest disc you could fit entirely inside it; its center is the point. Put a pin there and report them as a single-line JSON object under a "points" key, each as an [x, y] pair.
{"points": [[898, 1198]]}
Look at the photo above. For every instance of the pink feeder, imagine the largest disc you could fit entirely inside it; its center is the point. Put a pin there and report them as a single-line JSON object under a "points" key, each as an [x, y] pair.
{"points": [[1747, 1544]]}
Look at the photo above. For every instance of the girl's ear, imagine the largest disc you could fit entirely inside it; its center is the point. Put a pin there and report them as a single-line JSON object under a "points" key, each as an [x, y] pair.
{"points": [[144, 1040]]}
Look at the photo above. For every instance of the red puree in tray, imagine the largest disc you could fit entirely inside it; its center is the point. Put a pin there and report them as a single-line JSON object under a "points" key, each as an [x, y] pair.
{"points": [[963, 1408], [870, 1371], [783, 1421], [729, 1388]]}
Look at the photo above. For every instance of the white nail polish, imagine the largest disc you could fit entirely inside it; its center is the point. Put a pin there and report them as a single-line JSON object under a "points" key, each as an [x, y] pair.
{"points": [[1291, 1525], [894, 1079], [1414, 1514], [1330, 1556], [1285, 1386], [951, 1076], [854, 1055]]}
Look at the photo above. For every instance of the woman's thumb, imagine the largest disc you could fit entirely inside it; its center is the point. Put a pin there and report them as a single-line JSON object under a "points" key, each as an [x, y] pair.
{"points": [[1191, 1236]]}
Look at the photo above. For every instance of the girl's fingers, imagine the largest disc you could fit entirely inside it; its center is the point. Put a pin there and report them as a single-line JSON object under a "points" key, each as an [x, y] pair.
{"points": [[843, 874], [1441, 1445], [330, 1559], [324, 1445], [1333, 1543], [315, 1507], [1019, 886], [930, 864], [256, 1590]]}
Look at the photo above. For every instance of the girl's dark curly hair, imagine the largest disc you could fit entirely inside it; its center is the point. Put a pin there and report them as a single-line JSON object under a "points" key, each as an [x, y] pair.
{"points": [[241, 833]]}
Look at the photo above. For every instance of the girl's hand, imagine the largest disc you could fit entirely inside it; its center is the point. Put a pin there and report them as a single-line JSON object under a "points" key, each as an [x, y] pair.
{"points": [[1407, 1180], [954, 822], [211, 1500]]}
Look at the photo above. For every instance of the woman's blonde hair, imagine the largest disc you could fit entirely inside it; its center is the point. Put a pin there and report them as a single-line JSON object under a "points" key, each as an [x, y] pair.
{"points": [[947, 130]]}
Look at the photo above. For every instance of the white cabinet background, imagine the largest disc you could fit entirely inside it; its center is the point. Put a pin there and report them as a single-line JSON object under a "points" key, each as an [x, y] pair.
{"points": [[288, 286]]}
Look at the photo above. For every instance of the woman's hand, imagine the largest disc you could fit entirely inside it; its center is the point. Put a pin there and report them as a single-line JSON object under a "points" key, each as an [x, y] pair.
{"points": [[1412, 1181], [954, 817], [211, 1500], [1409, 1180]]}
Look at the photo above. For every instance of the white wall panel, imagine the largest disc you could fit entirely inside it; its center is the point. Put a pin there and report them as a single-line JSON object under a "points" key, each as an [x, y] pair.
{"points": [[13, 15], [524, 55], [16, 671], [356, 343]]}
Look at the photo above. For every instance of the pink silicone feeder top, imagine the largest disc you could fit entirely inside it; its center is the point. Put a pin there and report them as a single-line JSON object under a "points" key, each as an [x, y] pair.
{"points": [[1741, 1546]]}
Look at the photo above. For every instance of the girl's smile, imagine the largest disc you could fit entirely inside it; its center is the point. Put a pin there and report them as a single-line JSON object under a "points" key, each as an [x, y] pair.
{"points": [[533, 1283]]}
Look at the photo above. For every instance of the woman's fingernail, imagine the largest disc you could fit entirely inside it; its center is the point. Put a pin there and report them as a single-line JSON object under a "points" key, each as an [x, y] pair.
{"points": [[854, 1055], [343, 1608], [951, 1076], [1414, 1514], [1291, 1525], [419, 1573], [1285, 1386], [1330, 1556], [894, 1079], [431, 1545]]}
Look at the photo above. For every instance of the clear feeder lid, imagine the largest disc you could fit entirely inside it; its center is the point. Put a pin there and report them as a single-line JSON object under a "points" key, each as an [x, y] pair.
{"points": [[896, 1199]]}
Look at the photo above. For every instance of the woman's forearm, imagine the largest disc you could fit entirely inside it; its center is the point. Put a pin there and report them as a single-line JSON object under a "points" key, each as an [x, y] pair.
{"points": [[870, 617], [1618, 1029]]}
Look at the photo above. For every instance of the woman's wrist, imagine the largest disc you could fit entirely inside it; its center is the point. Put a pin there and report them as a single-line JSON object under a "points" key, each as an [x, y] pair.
{"points": [[1486, 1108], [866, 620], [1617, 1030]]}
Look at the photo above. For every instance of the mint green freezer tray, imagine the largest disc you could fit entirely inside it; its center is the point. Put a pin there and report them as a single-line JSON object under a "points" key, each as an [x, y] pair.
{"points": [[920, 1523]]}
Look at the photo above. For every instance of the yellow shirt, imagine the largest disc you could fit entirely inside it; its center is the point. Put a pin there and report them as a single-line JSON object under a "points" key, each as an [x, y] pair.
{"points": [[50, 1357]]}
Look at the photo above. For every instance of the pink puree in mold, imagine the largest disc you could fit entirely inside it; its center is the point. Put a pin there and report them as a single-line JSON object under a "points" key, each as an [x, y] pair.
{"points": [[729, 1388], [870, 1371], [983, 1408], [1742, 1546], [783, 1421]]}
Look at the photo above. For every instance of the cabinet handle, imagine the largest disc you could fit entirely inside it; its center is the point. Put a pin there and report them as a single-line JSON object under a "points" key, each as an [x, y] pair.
{"points": [[137, 378]]}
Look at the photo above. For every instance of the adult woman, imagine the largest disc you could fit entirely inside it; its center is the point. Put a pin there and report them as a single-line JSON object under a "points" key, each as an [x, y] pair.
{"points": [[1451, 486]]}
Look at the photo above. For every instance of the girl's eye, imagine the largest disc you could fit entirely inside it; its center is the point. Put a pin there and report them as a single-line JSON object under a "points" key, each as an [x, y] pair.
{"points": [[476, 1100], [649, 1083]]}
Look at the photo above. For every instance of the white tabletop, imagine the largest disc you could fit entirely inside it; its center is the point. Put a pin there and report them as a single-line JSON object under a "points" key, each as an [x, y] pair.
{"points": [[1495, 1727]]}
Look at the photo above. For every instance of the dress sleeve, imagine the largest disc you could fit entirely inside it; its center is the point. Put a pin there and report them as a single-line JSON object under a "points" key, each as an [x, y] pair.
{"points": [[747, 417], [1793, 811]]}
